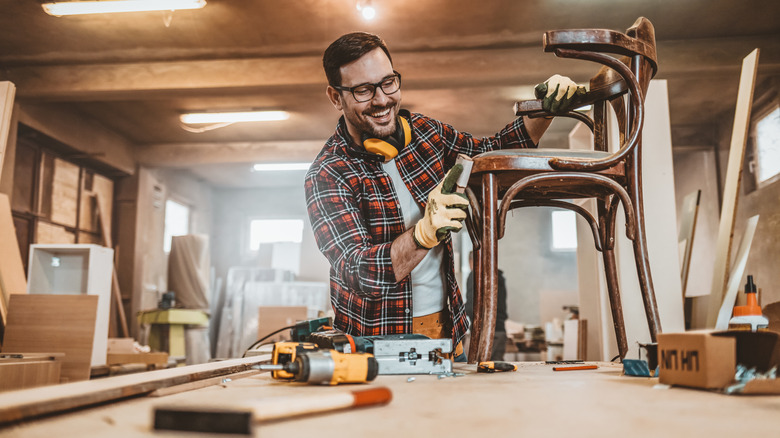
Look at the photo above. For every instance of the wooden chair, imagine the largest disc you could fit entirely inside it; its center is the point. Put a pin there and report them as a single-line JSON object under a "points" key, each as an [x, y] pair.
{"points": [[552, 177]]}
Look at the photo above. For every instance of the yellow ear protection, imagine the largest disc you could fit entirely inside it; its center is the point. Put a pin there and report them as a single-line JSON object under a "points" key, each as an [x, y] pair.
{"points": [[390, 146]]}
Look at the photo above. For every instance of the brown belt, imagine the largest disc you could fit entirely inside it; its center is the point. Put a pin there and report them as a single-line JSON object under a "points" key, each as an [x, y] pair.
{"points": [[436, 326]]}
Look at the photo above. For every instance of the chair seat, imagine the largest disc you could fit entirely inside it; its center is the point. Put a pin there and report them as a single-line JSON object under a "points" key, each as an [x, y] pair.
{"points": [[511, 165]]}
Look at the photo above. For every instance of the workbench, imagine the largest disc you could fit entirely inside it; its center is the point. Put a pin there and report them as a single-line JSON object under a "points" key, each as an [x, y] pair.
{"points": [[533, 401]]}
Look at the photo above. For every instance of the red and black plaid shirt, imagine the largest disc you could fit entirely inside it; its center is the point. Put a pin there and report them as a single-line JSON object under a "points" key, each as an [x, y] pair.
{"points": [[355, 217]]}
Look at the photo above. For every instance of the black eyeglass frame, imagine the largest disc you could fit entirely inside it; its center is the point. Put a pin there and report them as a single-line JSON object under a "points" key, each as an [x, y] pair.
{"points": [[374, 86]]}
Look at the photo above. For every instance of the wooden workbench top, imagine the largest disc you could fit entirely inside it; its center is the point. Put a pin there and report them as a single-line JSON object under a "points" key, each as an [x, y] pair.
{"points": [[534, 401]]}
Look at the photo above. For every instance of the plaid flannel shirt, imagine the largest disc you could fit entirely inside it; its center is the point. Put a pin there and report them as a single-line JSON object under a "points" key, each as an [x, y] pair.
{"points": [[355, 216]]}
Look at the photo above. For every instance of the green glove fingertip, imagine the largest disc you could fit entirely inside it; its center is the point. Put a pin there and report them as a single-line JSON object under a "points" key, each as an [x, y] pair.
{"points": [[451, 178]]}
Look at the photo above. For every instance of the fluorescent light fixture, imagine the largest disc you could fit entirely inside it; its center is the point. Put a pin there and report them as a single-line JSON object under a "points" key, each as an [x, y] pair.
{"points": [[260, 167], [234, 117], [111, 6]]}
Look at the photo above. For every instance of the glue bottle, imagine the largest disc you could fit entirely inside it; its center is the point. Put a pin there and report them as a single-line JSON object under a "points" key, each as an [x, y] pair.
{"points": [[749, 316]]}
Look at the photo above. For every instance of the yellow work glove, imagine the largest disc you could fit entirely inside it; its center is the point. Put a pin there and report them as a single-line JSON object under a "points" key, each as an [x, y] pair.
{"points": [[444, 213], [559, 94]]}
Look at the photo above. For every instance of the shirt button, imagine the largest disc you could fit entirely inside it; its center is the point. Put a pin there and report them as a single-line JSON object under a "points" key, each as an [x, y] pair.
{"points": [[406, 310]]}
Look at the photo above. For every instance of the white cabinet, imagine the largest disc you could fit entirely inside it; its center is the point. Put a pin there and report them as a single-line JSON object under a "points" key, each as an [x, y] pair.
{"points": [[75, 269]]}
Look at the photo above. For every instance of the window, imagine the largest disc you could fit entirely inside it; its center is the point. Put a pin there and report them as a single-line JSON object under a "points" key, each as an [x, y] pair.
{"points": [[274, 231], [766, 132], [177, 222], [564, 230]]}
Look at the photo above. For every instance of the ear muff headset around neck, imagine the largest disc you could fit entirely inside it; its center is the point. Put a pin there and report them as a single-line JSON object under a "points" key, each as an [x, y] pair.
{"points": [[389, 147]]}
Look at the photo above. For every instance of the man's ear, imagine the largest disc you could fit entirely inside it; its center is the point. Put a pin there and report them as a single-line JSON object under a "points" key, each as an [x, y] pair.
{"points": [[334, 96]]}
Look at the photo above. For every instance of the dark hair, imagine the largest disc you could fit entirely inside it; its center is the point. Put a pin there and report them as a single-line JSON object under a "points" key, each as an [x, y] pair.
{"points": [[346, 49]]}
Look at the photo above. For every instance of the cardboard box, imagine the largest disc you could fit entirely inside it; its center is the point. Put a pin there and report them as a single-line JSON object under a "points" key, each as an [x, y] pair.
{"points": [[708, 359]]}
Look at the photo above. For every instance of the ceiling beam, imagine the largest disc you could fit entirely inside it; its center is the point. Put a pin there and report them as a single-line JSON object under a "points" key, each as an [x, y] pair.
{"points": [[193, 154], [133, 81]]}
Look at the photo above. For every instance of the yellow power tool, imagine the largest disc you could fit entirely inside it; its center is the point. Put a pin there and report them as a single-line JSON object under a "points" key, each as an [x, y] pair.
{"points": [[300, 362]]}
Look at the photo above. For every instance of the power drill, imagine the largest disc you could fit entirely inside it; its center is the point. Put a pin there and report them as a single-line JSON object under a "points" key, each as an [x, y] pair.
{"points": [[326, 367]]}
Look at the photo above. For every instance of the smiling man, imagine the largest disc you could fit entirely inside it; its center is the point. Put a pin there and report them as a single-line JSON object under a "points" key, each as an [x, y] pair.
{"points": [[378, 198]]}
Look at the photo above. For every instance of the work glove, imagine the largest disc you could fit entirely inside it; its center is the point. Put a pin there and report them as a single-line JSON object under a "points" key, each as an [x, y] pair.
{"points": [[444, 213], [559, 94]]}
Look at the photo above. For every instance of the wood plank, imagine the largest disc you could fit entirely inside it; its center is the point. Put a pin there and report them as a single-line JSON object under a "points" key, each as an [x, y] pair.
{"points": [[728, 212], [12, 279], [104, 216], [690, 211], [50, 233], [7, 93], [64, 193], [40, 323], [19, 405]]}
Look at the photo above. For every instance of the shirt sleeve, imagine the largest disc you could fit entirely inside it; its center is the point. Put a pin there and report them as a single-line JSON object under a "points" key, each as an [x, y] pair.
{"points": [[514, 135], [341, 234]]}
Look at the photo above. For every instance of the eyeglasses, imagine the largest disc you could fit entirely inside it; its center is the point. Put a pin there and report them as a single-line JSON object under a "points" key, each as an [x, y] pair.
{"points": [[365, 92]]}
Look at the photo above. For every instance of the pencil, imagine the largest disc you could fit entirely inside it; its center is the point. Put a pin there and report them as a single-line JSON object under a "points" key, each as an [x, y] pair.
{"points": [[575, 368]]}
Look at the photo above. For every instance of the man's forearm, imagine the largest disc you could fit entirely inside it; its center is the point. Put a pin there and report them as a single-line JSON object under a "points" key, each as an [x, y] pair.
{"points": [[536, 127], [405, 254]]}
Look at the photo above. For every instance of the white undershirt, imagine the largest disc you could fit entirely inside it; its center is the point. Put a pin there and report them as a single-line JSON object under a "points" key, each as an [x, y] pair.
{"points": [[427, 278]]}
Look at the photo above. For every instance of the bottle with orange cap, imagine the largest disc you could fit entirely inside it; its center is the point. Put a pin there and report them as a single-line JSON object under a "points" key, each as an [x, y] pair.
{"points": [[749, 316]]}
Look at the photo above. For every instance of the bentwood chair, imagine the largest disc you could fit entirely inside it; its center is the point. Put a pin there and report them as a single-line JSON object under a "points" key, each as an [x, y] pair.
{"points": [[507, 179]]}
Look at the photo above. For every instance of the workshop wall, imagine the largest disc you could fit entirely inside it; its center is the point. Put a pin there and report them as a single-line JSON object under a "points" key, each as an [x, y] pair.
{"points": [[234, 208], [532, 268]]}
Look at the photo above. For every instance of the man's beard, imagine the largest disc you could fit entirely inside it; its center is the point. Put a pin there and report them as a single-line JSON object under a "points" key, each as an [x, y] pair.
{"points": [[371, 130]]}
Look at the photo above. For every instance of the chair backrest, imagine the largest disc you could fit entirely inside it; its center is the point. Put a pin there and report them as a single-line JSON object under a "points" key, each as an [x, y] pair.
{"points": [[630, 74]]}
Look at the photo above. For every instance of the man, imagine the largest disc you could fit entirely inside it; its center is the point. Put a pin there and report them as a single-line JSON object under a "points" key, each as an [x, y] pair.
{"points": [[377, 202]]}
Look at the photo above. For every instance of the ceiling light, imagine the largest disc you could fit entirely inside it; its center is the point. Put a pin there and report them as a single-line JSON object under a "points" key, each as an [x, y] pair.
{"points": [[110, 6], [234, 117], [280, 166]]}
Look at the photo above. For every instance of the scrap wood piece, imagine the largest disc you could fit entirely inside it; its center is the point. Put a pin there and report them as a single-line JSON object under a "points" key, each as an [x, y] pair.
{"points": [[720, 275], [20, 405]]}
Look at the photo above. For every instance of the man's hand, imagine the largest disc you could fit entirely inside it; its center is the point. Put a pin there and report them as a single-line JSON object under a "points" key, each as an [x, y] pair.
{"points": [[559, 94], [444, 213]]}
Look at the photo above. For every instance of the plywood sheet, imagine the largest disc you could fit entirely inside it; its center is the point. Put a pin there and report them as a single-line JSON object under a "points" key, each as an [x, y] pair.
{"points": [[54, 324], [12, 279], [50, 233], [64, 193]]}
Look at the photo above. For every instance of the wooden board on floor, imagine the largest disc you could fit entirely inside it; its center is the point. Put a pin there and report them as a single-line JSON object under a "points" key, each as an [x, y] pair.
{"points": [[40, 323], [12, 280], [728, 212]]}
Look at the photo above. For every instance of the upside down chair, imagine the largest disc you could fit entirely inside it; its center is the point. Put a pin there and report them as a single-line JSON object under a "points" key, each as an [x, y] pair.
{"points": [[512, 178]]}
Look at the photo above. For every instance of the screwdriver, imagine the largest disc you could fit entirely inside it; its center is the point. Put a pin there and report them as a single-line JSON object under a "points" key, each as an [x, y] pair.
{"points": [[328, 367]]}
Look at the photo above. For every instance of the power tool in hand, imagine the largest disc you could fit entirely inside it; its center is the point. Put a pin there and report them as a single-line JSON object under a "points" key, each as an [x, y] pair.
{"points": [[326, 367]]}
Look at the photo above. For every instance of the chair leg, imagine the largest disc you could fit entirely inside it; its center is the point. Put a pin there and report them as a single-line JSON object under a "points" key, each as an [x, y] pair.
{"points": [[607, 222], [476, 325], [643, 273], [640, 245], [489, 261]]}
